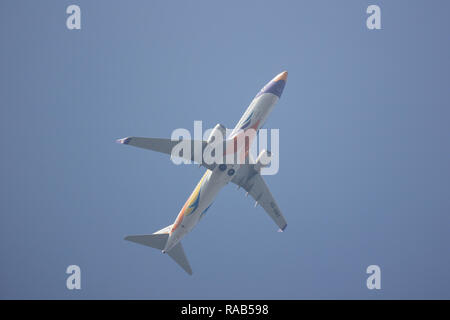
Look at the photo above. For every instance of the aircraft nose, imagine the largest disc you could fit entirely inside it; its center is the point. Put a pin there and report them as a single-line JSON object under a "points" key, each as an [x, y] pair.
{"points": [[282, 76], [276, 85]]}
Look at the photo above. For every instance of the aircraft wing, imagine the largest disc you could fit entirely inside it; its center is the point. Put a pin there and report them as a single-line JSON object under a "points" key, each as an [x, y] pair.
{"points": [[255, 185], [166, 146]]}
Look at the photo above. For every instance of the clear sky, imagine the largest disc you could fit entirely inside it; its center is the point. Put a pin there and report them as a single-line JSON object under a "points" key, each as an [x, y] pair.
{"points": [[364, 154]]}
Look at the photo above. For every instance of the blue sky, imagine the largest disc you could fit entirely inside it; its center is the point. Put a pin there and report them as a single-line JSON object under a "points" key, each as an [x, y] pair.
{"points": [[364, 160]]}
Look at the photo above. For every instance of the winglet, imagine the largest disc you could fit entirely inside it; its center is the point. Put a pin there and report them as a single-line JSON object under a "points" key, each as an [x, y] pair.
{"points": [[282, 229], [123, 141]]}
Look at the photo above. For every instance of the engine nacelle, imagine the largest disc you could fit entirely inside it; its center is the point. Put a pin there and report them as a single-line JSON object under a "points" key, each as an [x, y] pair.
{"points": [[215, 133], [263, 160]]}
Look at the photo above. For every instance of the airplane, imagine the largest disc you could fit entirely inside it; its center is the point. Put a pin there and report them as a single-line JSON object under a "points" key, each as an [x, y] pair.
{"points": [[245, 174]]}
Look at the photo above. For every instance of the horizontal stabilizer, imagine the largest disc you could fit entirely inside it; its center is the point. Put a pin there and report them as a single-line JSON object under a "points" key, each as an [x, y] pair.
{"points": [[157, 241], [177, 254]]}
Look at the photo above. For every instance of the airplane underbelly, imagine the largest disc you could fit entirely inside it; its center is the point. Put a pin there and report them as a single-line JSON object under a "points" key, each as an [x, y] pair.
{"points": [[208, 193], [257, 113]]}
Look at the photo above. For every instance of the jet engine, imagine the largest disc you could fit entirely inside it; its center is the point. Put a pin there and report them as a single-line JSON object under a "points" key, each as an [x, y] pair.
{"points": [[263, 160], [215, 133]]}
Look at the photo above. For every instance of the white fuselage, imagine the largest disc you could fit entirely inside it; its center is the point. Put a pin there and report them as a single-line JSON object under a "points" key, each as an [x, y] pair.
{"points": [[213, 181]]}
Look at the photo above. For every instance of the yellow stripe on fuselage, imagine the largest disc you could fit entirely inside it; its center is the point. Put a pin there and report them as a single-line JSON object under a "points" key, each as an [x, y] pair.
{"points": [[188, 207]]}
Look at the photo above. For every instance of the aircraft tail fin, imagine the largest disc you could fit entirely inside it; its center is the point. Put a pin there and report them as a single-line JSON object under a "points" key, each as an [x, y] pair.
{"points": [[158, 240]]}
